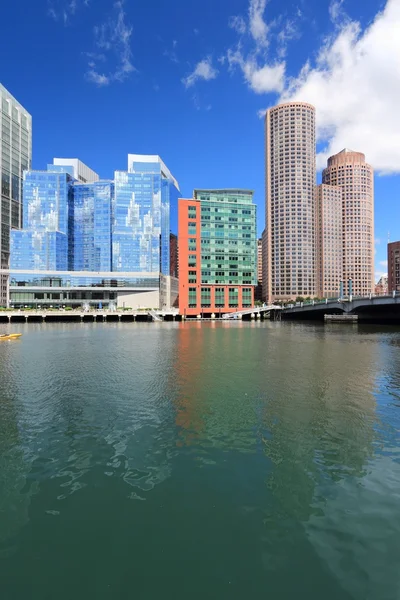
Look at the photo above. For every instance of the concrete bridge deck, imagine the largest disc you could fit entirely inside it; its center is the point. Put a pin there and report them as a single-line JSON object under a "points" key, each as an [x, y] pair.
{"points": [[369, 309]]}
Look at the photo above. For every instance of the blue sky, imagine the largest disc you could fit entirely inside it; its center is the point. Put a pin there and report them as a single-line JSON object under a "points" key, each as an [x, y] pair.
{"points": [[190, 81]]}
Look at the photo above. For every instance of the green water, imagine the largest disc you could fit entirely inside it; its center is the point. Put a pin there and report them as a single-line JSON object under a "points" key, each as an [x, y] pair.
{"points": [[187, 461]]}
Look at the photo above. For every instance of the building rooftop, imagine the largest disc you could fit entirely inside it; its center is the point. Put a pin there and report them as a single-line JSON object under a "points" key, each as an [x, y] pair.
{"points": [[151, 158]]}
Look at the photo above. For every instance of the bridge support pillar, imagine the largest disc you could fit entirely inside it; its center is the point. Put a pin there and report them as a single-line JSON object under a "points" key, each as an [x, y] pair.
{"points": [[252, 316]]}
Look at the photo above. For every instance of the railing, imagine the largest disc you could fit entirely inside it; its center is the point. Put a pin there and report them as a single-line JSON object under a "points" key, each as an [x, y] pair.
{"points": [[154, 315], [249, 311]]}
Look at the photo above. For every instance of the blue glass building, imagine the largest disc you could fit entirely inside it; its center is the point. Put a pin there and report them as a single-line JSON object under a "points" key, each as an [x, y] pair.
{"points": [[90, 238], [42, 244], [145, 198], [102, 227]]}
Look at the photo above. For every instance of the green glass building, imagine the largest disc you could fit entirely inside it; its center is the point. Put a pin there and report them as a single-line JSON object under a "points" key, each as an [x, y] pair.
{"points": [[218, 233]]}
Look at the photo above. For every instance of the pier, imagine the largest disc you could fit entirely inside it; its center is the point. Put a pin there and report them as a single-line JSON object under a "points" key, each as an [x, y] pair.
{"points": [[48, 316]]}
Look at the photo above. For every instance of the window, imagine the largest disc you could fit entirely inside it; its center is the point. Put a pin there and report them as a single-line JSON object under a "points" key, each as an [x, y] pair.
{"points": [[192, 297], [205, 297], [220, 297], [233, 297]]}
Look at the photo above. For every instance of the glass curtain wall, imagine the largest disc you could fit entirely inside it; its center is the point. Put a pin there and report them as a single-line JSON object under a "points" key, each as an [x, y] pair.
{"points": [[91, 229], [43, 242], [142, 206], [228, 238]]}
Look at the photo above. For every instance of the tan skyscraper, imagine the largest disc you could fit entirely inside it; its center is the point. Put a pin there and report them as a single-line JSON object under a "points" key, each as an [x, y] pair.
{"points": [[329, 237], [289, 239], [349, 170], [259, 261]]}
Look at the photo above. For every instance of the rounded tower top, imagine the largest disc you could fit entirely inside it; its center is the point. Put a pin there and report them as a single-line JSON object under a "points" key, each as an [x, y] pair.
{"points": [[346, 156], [293, 104]]}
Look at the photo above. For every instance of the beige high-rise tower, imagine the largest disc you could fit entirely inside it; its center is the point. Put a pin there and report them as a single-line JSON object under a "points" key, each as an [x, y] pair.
{"points": [[329, 239], [289, 238], [349, 170]]}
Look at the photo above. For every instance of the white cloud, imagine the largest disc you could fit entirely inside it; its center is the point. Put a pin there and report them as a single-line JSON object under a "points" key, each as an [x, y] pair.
{"points": [[383, 263], [261, 79], [355, 87], [263, 75], [258, 27], [336, 11], [203, 70], [289, 32], [64, 9], [98, 78], [171, 54], [113, 38], [238, 24]]}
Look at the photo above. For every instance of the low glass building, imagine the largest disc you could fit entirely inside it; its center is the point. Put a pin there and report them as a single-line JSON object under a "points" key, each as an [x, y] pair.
{"points": [[118, 230]]}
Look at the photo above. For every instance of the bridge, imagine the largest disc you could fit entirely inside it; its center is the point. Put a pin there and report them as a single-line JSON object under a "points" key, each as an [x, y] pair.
{"points": [[370, 309], [257, 311]]}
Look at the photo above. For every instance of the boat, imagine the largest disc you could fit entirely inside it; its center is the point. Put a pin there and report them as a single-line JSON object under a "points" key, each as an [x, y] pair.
{"points": [[10, 336]]}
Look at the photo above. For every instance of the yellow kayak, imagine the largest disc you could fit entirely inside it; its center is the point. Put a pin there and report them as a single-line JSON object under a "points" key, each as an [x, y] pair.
{"points": [[10, 336]]}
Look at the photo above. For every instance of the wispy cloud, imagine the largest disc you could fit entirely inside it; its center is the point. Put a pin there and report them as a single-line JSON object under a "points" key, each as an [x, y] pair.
{"points": [[288, 32], [336, 12], [171, 53], [259, 28], [262, 73], [204, 70], [238, 24], [64, 10], [383, 263], [113, 46]]}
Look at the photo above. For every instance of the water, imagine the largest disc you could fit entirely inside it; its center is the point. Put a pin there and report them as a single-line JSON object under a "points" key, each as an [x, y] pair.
{"points": [[189, 461]]}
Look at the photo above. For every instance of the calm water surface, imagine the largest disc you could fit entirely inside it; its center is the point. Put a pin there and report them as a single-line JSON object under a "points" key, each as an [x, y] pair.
{"points": [[187, 461]]}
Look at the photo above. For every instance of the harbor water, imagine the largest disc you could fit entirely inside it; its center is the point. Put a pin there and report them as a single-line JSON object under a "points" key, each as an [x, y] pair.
{"points": [[200, 460]]}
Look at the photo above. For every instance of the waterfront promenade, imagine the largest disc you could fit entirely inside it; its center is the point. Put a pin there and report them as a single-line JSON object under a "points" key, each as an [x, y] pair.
{"points": [[26, 316]]}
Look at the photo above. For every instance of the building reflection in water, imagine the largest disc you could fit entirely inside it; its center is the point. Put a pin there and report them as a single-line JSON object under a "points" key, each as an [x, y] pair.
{"points": [[212, 384]]}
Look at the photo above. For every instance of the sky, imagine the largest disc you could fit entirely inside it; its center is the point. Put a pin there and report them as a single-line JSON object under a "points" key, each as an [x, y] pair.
{"points": [[191, 81]]}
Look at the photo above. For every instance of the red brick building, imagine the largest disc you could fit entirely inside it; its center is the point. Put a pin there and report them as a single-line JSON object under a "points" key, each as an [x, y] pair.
{"points": [[217, 252], [394, 267]]}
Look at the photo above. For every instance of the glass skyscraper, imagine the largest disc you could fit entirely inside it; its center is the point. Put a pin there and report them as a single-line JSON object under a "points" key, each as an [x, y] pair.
{"points": [[91, 226], [15, 156], [43, 243], [145, 198]]}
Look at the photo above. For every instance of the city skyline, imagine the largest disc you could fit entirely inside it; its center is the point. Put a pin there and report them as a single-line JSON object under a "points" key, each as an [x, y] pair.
{"points": [[160, 83]]}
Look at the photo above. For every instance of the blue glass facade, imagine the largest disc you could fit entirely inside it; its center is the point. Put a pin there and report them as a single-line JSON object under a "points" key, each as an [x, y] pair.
{"points": [[43, 242], [121, 226], [91, 229], [144, 200]]}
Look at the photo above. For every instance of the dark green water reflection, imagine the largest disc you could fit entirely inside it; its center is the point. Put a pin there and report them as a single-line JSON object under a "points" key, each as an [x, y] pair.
{"points": [[192, 461]]}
